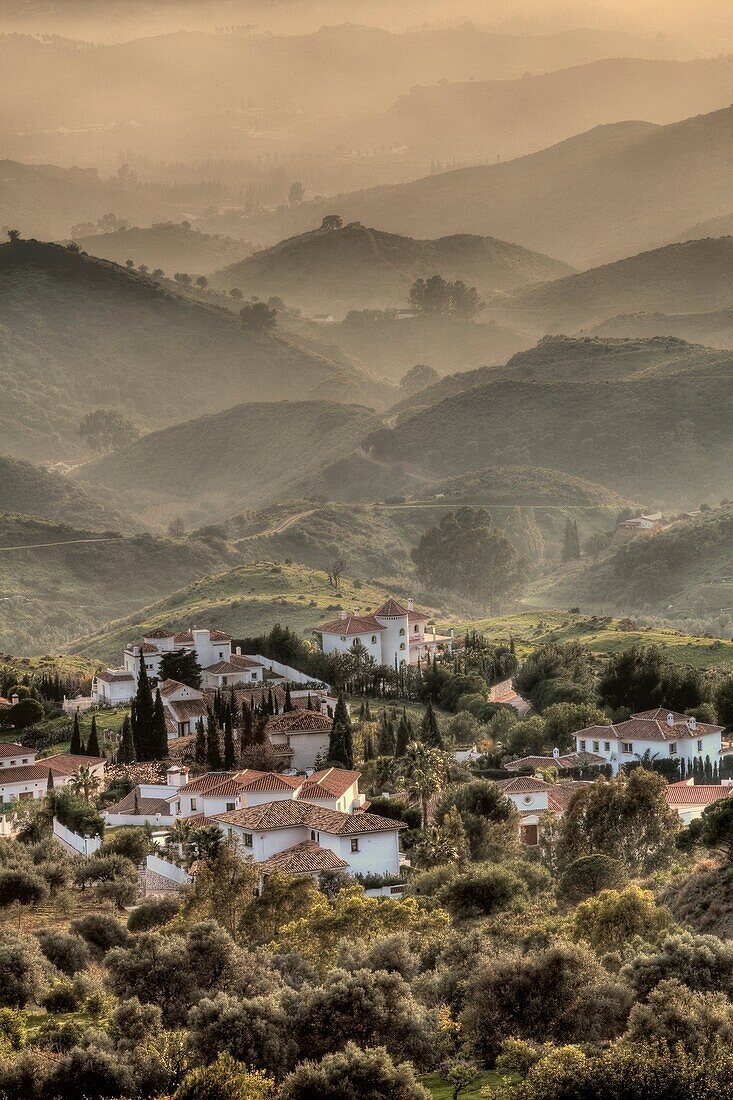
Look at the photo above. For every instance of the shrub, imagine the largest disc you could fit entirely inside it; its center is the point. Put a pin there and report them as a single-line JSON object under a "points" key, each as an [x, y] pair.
{"points": [[68, 952], [61, 997], [589, 874], [101, 932], [353, 1073], [224, 1079], [152, 912], [481, 891]]}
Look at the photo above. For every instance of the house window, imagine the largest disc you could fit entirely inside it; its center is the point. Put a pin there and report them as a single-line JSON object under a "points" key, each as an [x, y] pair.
{"points": [[355, 844], [313, 834], [221, 656], [606, 746], [230, 806], [402, 631], [673, 748], [626, 747], [13, 763], [402, 645], [596, 746], [248, 840], [699, 746], [194, 804], [224, 681], [417, 628], [343, 637], [374, 639], [582, 746]]}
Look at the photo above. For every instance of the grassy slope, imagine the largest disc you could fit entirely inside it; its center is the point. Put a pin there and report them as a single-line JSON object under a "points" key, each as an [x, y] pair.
{"points": [[168, 245], [696, 275], [243, 601], [52, 593], [712, 327], [247, 456], [80, 333], [35, 491], [358, 268]]}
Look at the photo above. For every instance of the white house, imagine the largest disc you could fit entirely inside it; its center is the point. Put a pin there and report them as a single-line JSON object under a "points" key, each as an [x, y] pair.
{"points": [[534, 797], [30, 781], [147, 803], [113, 687], [660, 733], [298, 837], [645, 525], [689, 800], [305, 734], [393, 635], [15, 756]]}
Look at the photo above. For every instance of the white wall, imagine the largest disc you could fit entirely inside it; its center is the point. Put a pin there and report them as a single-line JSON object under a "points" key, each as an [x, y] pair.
{"points": [[80, 845], [332, 643], [306, 747], [687, 749], [535, 802], [139, 819], [22, 758]]}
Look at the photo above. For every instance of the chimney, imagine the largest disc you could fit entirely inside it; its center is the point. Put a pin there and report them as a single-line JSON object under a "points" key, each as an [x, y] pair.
{"points": [[410, 604], [238, 651], [14, 699], [344, 615], [177, 777]]}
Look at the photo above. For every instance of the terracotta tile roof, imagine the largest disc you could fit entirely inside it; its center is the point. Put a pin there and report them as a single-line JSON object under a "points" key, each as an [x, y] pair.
{"points": [[351, 624], [417, 617], [273, 781], [332, 782], [391, 610], [112, 676], [561, 795], [300, 721], [686, 794], [146, 647], [523, 784], [170, 687], [304, 858], [146, 807], [184, 637], [649, 725], [562, 763], [289, 813], [206, 782], [11, 748], [26, 773], [186, 709], [228, 788], [660, 715], [219, 636], [65, 763], [235, 664], [159, 632]]}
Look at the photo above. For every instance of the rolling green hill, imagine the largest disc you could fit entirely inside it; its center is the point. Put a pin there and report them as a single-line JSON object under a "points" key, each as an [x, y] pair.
{"points": [[696, 275], [582, 200], [78, 333], [59, 581], [38, 492], [170, 245], [359, 268], [247, 456]]}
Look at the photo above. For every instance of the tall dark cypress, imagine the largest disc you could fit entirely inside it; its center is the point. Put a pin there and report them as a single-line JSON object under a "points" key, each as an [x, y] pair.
{"points": [[288, 704], [143, 715], [341, 742], [92, 748], [309, 704], [213, 747], [75, 746], [403, 735], [200, 751], [229, 754], [386, 736], [270, 702], [126, 751], [49, 782], [159, 739], [430, 730]]}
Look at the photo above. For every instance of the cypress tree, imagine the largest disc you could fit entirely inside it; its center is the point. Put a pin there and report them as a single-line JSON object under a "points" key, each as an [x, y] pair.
{"points": [[430, 730], [213, 748], [386, 737], [288, 705], [200, 755], [368, 747], [75, 746], [716, 775], [259, 731], [229, 755], [368, 712], [245, 733], [708, 770], [126, 751], [92, 748], [341, 742], [49, 782], [309, 704], [403, 735], [159, 739], [143, 729]]}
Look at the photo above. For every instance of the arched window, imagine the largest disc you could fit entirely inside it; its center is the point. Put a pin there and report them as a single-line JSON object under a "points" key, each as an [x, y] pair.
{"points": [[402, 631], [402, 645]]}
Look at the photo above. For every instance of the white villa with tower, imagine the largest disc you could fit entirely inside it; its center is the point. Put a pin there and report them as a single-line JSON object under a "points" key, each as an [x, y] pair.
{"points": [[393, 635]]}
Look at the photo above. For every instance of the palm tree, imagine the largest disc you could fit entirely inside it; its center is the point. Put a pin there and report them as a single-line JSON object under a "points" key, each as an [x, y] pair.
{"points": [[422, 772], [84, 783]]}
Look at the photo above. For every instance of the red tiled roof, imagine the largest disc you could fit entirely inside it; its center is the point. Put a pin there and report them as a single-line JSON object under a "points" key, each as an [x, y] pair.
{"points": [[235, 664], [300, 721], [660, 715], [391, 610], [523, 784], [159, 632], [11, 748], [219, 636], [206, 782], [111, 676], [649, 725], [304, 858], [26, 773], [169, 687], [687, 794], [332, 781], [289, 813], [65, 763], [146, 647], [186, 709], [417, 617], [351, 624], [273, 781], [183, 637], [562, 763], [146, 807]]}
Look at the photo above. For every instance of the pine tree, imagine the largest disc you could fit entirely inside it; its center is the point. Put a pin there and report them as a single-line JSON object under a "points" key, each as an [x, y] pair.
{"points": [[288, 705], [92, 748], [430, 730], [126, 751], [213, 748], [75, 746], [200, 754], [403, 735], [386, 737], [143, 716], [159, 735], [229, 755], [341, 742]]}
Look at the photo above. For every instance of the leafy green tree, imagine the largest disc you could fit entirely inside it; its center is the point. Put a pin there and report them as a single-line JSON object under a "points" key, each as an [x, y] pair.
{"points": [[422, 772], [465, 554], [481, 891], [704, 963], [24, 713], [181, 665], [724, 701], [525, 536], [608, 920], [65, 950], [106, 430], [544, 674], [677, 1016], [254, 1030], [355, 1073], [22, 886], [22, 970], [562, 720], [258, 316], [590, 874], [418, 378], [341, 741], [490, 820], [438, 296], [332, 221], [717, 826]]}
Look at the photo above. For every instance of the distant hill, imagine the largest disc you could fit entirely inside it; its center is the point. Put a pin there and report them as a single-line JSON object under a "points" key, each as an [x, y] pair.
{"points": [[713, 328], [38, 492], [662, 437], [54, 592], [360, 268], [696, 275], [169, 245], [80, 333], [510, 118], [594, 198], [683, 573], [220, 463]]}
